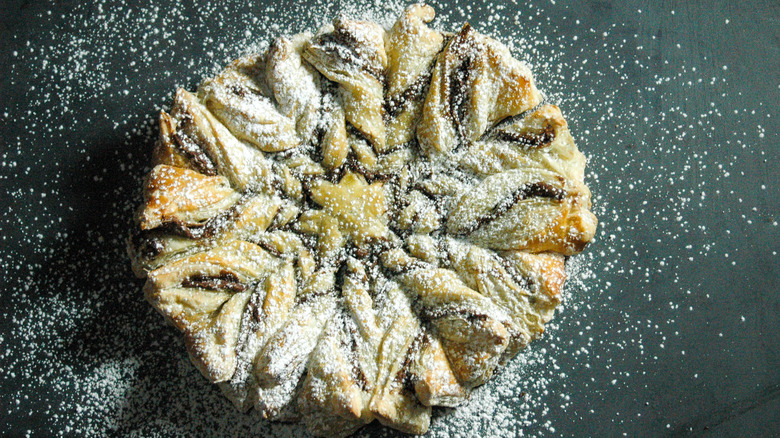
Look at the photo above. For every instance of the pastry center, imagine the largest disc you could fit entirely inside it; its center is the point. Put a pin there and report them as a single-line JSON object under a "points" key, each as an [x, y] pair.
{"points": [[356, 208]]}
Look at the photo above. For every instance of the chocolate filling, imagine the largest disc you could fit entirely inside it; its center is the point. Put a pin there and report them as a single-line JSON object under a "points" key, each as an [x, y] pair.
{"points": [[255, 310], [226, 280], [458, 78], [521, 280], [268, 247], [533, 140], [458, 92], [203, 230], [533, 190], [397, 104], [346, 48], [193, 151], [238, 90], [147, 244], [404, 377], [429, 314], [351, 347]]}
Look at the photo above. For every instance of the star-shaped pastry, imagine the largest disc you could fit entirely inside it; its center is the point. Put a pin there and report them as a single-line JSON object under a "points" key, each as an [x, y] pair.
{"points": [[357, 207]]}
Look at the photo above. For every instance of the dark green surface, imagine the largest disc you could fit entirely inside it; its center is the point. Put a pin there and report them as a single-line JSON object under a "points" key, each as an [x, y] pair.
{"points": [[722, 312]]}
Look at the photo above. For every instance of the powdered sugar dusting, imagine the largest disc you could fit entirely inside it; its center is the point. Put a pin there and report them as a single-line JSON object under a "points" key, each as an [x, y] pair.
{"points": [[96, 359]]}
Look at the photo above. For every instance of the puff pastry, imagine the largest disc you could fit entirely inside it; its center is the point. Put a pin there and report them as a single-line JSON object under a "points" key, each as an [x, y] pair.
{"points": [[363, 223]]}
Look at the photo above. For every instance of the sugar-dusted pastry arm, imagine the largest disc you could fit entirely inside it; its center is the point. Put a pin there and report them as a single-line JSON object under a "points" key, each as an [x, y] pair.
{"points": [[175, 149], [476, 83], [472, 329], [334, 398], [184, 199], [305, 97], [352, 53], [540, 139], [334, 145], [525, 209], [204, 296], [192, 132], [362, 308], [295, 83], [237, 97], [244, 220], [435, 383], [411, 51], [267, 309], [279, 366], [520, 287], [188, 212], [394, 403], [358, 371]]}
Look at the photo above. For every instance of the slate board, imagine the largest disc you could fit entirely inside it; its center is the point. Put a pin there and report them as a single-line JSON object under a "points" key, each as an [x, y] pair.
{"points": [[679, 316]]}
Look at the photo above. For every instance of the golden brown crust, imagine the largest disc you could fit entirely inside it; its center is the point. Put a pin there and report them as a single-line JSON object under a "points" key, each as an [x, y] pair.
{"points": [[183, 196], [204, 296], [475, 84], [352, 54], [411, 51], [435, 382]]}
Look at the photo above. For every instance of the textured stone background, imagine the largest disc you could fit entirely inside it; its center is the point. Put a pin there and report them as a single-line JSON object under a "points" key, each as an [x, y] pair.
{"points": [[671, 328]]}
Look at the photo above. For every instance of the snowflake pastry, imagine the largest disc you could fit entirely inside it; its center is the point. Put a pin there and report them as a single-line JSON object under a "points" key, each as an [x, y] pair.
{"points": [[363, 223]]}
